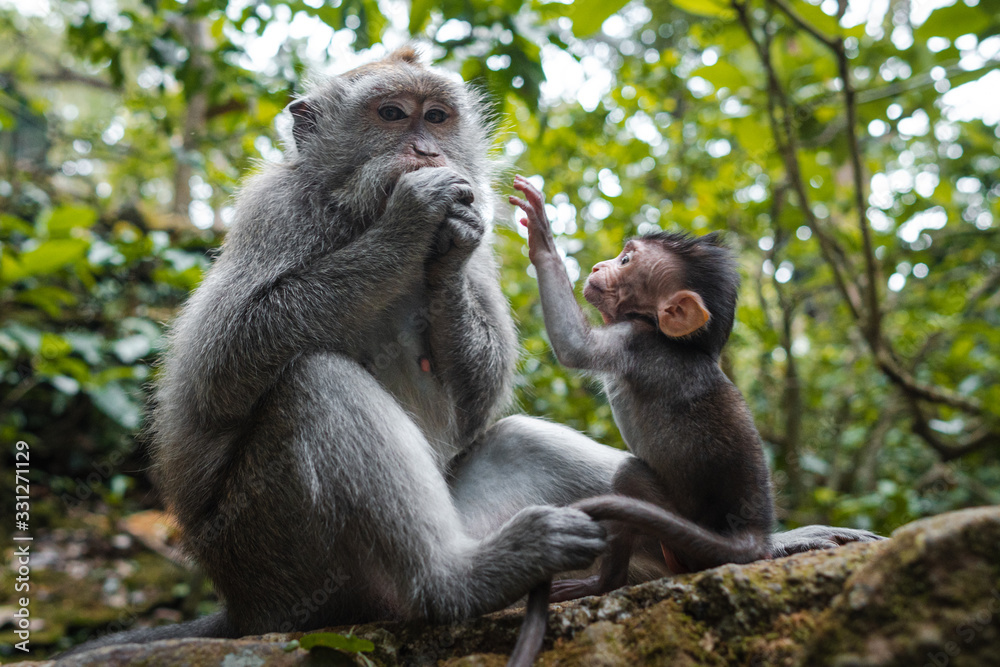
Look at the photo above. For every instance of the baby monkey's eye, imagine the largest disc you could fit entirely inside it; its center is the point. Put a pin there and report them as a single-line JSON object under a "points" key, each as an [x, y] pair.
{"points": [[626, 259], [390, 112], [435, 116]]}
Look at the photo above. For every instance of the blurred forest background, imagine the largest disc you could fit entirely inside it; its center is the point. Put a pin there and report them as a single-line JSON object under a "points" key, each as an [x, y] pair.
{"points": [[848, 149]]}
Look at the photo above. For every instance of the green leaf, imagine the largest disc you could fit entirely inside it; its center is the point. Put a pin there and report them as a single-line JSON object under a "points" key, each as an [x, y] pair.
{"points": [[350, 644], [710, 8], [48, 298], [588, 15], [10, 269], [114, 374], [70, 367], [50, 256], [66, 218], [722, 75], [952, 22], [375, 22], [331, 16], [54, 346], [754, 136], [132, 348], [420, 14], [826, 25], [115, 402], [15, 224]]}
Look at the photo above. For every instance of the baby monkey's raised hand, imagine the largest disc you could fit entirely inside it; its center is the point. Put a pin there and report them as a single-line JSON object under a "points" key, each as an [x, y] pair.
{"points": [[540, 239]]}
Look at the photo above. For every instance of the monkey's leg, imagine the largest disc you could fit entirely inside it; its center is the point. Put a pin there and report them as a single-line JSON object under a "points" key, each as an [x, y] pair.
{"points": [[521, 461], [636, 479], [362, 496], [633, 478]]}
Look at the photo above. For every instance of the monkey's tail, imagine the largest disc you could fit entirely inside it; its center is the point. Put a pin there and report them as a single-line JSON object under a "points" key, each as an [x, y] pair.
{"points": [[536, 613], [699, 547], [213, 626]]}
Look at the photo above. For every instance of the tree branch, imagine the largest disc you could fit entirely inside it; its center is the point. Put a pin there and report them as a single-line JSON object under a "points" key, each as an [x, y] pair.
{"points": [[63, 75], [873, 319], [981, 438], [865, 309], [784, 137], [805, 25]]}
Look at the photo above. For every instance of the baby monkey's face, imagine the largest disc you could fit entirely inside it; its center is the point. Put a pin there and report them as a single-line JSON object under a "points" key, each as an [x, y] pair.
{"points": [[620, 287], [644, 283]]}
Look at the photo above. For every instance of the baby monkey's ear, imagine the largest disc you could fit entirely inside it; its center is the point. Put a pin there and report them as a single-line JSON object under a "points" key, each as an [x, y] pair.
{"points": [[682, 313]]}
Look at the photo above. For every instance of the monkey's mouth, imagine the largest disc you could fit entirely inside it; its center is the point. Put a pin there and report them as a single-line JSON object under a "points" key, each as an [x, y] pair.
{"points": [[592, 293]]}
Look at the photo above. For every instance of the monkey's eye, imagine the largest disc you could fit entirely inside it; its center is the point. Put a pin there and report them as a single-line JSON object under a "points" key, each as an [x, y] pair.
{"points": [[390, 113], [435, 116], [626, 259]]}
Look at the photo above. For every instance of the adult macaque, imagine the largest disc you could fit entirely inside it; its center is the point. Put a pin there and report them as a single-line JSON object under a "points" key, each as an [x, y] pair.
{"points": [[326, 411], [668, 302]]}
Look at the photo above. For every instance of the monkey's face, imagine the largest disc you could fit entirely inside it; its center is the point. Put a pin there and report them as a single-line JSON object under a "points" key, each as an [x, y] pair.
{"points": [[366, 128], [635, 284], [413, 130], [611, 285]]}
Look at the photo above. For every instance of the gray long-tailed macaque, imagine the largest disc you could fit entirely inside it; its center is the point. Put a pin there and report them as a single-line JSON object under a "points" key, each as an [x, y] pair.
{"points": [[324, 423], [699, 481]]}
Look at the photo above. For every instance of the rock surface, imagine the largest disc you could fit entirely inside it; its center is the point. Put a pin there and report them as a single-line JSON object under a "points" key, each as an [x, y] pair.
{"points": [[929, 596]]}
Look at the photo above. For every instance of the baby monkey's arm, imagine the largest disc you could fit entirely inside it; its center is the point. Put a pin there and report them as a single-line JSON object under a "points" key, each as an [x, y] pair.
{"points": [[575, 342]]}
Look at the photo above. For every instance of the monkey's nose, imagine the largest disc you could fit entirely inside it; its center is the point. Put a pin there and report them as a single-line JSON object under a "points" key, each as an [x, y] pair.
{"points": [[424, 149], [596, 268]]}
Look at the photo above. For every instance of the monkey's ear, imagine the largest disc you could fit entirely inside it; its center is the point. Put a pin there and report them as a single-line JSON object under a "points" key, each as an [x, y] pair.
{"points": [[682, 313], [304, 122]]}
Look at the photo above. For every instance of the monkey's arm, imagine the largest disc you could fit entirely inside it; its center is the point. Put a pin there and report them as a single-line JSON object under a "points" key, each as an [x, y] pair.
{"points": [[472, 340], [244, 325], [575, 342]]}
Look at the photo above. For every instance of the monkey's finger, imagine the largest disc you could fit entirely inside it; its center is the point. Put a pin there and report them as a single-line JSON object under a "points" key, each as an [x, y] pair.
{"points": [[520, 203], [524, 221], [534, 197], [524, 185], [464, 193], [530, 191]]}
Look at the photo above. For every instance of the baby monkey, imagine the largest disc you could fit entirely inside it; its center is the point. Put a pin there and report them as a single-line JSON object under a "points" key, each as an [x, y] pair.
{"points": [[699, 482]]}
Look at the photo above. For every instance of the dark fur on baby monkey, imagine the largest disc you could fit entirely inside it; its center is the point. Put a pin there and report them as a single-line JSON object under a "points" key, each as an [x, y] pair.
{"points": [[699, 481]]}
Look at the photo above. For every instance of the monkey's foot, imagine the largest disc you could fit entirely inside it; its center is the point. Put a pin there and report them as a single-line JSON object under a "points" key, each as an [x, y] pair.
{"points": [[808, 538], [571, 589]]}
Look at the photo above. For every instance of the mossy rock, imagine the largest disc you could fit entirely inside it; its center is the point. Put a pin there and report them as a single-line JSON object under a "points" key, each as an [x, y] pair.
{"points": [[928, 596], [931, 598]]}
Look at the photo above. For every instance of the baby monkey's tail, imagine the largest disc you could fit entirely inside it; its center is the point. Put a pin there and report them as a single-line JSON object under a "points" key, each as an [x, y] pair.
{"points": [[698, 548]]}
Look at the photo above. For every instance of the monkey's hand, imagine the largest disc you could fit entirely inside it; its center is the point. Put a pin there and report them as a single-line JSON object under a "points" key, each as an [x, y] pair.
{"points": [[460, 231], [421, 203], [553, 539], [540, 239]]}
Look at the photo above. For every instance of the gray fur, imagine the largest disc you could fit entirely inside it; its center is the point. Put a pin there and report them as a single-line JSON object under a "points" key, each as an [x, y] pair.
{"points": [[296, 430]]}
